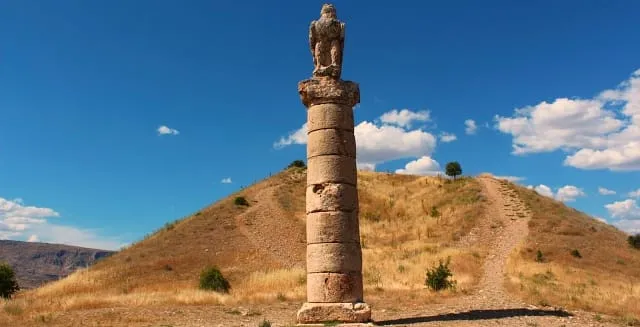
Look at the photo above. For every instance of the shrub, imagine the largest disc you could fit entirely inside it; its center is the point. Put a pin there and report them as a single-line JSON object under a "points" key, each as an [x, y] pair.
{"points": [[539, 256], [438, 277], [576, 253], [434, 212], [8, 283], [453, 169], [265, 323], [297, 164], [634, 241], [241, 201], [211, 279]]}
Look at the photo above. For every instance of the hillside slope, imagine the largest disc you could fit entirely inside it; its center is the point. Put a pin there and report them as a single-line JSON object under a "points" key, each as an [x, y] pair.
{"points": [[39, 263], [408, 224], [583, 262]]}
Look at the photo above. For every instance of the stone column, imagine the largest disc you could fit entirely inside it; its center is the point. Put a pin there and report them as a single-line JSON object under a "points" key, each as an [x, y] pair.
{"points": [[334, 255]]}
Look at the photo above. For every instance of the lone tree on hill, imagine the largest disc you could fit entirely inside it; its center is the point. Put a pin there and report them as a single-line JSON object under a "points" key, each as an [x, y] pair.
{"points": [[8, 283], [453, 169]]}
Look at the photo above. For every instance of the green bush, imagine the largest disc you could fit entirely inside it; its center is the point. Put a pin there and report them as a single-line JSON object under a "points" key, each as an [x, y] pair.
{"points": [[576, 253], [634, 241], [539, 256], [438, 277], [265, 323], [8, 283], [297, 164], [241, 201], [211, 279]]}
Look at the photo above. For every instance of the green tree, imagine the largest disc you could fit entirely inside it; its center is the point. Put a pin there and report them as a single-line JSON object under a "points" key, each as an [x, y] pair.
{"points": [[298, 164], [453, 169], [8, 283]]}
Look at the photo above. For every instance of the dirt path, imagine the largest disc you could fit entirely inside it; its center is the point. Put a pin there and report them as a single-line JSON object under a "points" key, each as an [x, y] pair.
{"points": [[503, 229], [263, 218]]}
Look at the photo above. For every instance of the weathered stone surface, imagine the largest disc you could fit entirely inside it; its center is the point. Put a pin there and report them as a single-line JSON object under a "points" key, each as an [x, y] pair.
{"points": [[331, 142], [327, 312], [316, 91], [326, 40], [332, 169], [333, 227], [334, 257], [329, 115], [334, 287], [331, 197]]}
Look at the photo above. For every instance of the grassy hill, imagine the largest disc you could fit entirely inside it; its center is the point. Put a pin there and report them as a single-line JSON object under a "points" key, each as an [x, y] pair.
{"points": [[584, 264], [408, 223]]}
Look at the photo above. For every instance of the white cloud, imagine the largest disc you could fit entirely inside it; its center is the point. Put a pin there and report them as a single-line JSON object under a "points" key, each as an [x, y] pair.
{"points": [[597, 133], [18, 220], [544, 190], [635, 194], [366, 166], [569, 193], [298, 136], [164, 130], [629, 226], [625, 210], [377, 143], [511, 178], [447, 137], [226, 180], [470, 126], [601, 219], [404, 117], [423, 166], [605, 191]]}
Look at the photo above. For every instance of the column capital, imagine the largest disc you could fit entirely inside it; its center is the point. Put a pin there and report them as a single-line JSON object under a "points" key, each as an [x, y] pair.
{"points": [[319, 90]]}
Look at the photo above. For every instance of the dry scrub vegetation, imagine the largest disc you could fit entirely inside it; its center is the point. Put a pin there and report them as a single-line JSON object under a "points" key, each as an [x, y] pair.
{"points": [[401, 234], [604, 278]]}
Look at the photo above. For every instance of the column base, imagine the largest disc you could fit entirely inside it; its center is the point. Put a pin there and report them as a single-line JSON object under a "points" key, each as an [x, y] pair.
{"points": [[349, 313]]}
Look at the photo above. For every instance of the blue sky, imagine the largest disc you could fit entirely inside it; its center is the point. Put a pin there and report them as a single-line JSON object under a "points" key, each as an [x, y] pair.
{"points": [[552, 88]]}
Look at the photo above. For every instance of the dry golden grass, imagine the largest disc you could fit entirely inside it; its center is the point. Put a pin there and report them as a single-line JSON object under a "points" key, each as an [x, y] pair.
{"points": [[401, 241], [605, 279]]}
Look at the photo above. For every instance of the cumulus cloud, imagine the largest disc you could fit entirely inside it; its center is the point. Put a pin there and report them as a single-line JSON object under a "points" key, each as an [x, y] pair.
{"points": [[470, 126], [627, 209], [598, 133], [164, 130], [629, 226], [226, 180], [378, 143], [366, 166], [447, 137], [567, 193], [298, 136], [422, 166], [511, 178], [19, 221], [544, 190], [404, 117], [605, 191], [635, 194]]}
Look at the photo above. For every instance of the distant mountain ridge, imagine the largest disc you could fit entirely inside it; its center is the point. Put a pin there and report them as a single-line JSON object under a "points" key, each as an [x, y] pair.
{"points": [[39, 263]]}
